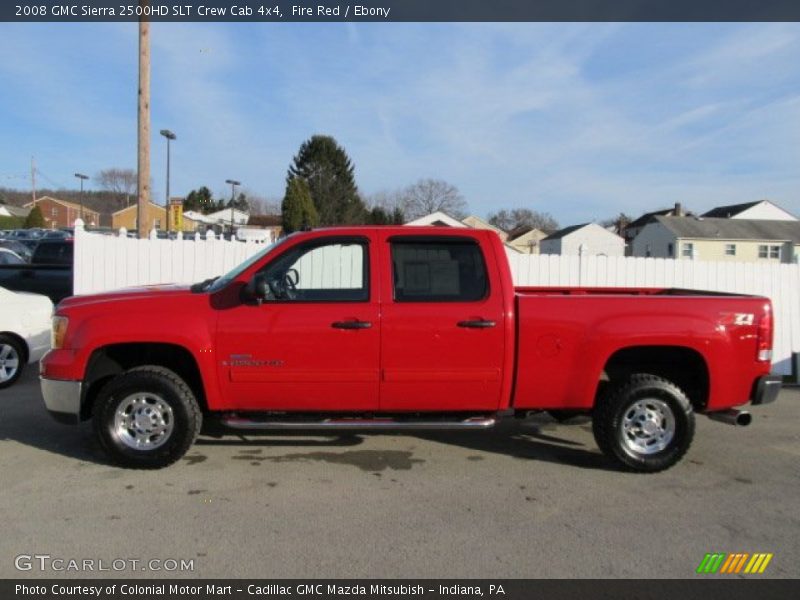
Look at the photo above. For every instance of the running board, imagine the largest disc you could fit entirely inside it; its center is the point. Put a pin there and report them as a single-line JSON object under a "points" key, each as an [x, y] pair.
{"points": [[344, 423]]}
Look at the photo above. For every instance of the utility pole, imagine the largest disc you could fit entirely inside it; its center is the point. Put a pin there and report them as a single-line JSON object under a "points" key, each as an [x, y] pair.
{"points": [[33, 180], [170, 136], [142, 221], [83, 178], [233, 183]]}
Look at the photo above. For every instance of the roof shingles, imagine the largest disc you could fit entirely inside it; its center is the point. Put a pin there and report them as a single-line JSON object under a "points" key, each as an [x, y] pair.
{"points": [[732, 229]]}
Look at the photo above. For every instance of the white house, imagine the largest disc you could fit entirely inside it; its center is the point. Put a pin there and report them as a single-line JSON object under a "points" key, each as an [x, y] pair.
{"points": [[221, 217], [7, 210], [439, 219], [588, 239], [759, 210]]}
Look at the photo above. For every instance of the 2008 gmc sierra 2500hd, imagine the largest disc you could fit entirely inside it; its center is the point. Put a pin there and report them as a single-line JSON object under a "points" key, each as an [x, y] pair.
{"points": [[401, 328]]}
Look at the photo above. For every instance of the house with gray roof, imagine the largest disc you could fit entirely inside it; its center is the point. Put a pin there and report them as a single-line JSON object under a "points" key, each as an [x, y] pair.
{"points": [[727, 239], [761, 209], [587, 239]]}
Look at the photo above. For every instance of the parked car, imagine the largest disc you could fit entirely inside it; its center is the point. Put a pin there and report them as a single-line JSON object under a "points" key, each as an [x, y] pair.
{"points": [[50, 271], [402, 328], [56, 234], [9, 257], [25, 252], [24, 332]]}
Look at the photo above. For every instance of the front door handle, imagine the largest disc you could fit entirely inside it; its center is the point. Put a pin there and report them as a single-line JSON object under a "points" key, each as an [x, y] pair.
{"points": [[477, 324], [351, 324]]}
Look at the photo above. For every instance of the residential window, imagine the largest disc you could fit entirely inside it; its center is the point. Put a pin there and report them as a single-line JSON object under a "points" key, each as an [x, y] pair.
{"points": [[768, 251], [440, 270], [730, 249], [54, 212], [688, 250], [670, 250]]}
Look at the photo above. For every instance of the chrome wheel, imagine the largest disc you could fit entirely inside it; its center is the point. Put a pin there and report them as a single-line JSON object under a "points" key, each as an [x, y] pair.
{"points": [[144, 421], [647, 426], [9, 362]]}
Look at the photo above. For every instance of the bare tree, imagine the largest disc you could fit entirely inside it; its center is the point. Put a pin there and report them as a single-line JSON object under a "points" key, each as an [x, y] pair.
{"points": [[430, 195], [120, 181], [385, 199], [260, 205], [523, 218]]}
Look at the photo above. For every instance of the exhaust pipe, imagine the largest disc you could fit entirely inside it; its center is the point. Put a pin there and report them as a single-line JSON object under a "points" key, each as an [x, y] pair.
{"points": [[732, 416]]}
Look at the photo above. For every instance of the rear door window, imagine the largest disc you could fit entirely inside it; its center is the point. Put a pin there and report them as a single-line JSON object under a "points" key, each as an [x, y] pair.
{"points": [[449, 270]]}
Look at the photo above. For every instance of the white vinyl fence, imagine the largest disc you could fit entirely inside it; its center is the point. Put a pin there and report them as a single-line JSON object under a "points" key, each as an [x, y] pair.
{"points": [[105, 262], [778, 282], [109, 262]]}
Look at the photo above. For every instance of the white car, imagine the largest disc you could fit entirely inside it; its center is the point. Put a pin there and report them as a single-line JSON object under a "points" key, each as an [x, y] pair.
{"points": [[24, 332]]}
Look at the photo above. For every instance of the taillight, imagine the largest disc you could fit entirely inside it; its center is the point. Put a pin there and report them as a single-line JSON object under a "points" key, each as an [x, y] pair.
{"points": [[764, 336]]}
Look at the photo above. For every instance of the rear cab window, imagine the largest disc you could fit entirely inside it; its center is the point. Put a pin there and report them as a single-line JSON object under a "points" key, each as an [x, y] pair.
{"points": [[438, 269]]}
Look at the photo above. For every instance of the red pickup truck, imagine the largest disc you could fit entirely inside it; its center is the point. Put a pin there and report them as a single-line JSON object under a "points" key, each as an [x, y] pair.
{"points": [[402, 328]]}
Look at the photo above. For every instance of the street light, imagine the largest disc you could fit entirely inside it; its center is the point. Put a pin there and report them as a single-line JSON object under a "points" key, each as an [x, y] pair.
{"points": [[233, 183], [170, 136], [82, 177]]}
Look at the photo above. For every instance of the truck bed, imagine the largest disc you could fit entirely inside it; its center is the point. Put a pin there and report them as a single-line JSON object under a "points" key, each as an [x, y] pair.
{"points": [[566, 337]]}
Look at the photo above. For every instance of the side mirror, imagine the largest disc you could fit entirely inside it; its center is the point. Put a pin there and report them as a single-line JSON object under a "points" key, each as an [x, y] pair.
{"points": [[256, 289]]}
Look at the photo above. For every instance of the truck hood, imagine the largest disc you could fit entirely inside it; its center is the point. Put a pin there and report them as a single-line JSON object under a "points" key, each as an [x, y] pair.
{"points": [[133, 293]]}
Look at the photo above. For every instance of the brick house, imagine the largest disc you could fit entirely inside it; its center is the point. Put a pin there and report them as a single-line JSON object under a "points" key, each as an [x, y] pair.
{"points": [[61, 213]]}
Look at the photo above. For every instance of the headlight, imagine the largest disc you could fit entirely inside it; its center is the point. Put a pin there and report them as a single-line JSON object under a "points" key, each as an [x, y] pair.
{"points": [[58, 332]]}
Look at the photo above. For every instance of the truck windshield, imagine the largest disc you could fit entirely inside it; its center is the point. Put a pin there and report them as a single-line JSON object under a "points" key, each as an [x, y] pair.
{"points": [[213, 285]]}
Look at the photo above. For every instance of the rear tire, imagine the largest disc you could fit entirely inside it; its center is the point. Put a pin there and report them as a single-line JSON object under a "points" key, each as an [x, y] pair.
{"points": [[146, 418], [12, 360], [645, 424]]}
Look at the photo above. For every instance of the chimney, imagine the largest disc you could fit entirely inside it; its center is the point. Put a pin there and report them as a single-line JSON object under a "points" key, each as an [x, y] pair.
{"points": [[678, 212]]}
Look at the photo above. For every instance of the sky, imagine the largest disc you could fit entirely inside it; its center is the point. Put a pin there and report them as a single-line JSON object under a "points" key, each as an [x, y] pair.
{"points": [[582, 121]]}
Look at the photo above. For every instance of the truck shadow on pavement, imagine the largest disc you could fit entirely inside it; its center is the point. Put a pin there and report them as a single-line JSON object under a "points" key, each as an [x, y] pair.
{"points": [[24, 420], [522, 440], [539, 439]]}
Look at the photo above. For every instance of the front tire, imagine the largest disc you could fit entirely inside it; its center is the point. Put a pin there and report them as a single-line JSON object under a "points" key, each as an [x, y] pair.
{"points": [[12, 360], [146, 418], [644, 425]]}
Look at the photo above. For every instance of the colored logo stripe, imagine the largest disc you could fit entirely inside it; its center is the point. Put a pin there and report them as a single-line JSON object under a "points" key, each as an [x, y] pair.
{"points": [[758, 563], [711, 563], [720, 562]]}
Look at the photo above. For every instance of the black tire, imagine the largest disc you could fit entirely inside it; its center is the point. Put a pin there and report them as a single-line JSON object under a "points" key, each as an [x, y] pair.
{"points": [[617, 421], [167, 396], [11, 349]]}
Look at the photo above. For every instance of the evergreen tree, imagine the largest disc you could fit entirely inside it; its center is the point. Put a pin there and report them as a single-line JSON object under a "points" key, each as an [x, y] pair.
{"points": [[297, 209], [240, 203], [201, 200], [328, 171], [34, 218], [378, 216]]}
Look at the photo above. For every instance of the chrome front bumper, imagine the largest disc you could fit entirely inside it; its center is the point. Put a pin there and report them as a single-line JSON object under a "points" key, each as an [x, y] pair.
{"points": [[62, 399]]}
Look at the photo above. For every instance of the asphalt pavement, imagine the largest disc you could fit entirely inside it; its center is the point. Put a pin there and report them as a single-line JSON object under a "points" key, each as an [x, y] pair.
{"points": [[528, 499]]}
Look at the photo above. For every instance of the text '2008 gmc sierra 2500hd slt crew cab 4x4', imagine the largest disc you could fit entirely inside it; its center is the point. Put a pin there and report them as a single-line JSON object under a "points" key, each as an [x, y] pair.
{"points": [[401, 328]]}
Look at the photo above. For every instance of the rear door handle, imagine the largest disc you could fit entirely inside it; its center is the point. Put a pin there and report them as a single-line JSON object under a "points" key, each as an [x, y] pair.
{"points": [[351, 324], [477, 324]]}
